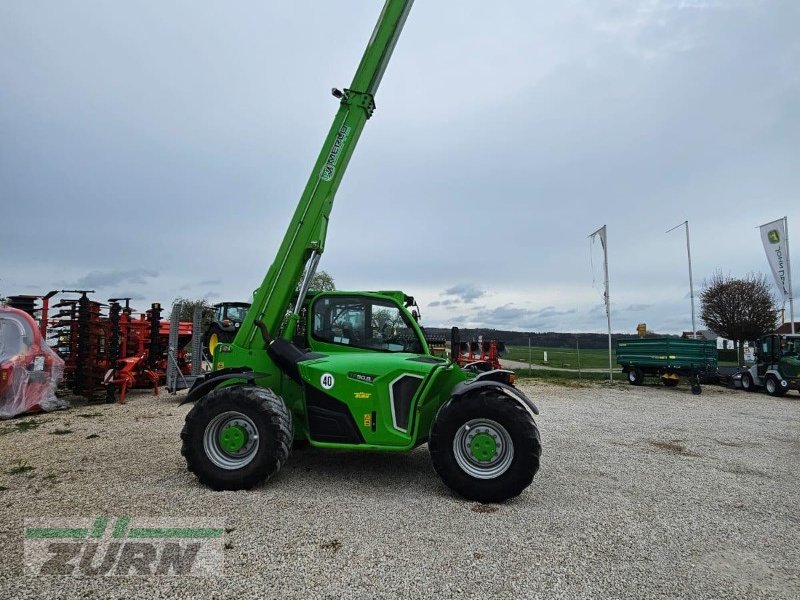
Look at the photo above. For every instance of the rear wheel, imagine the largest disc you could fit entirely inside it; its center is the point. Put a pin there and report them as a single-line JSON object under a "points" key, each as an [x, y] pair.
{"points": [[237, 437], [485, 447], [215, 336], [635, 376], [747, 383]]}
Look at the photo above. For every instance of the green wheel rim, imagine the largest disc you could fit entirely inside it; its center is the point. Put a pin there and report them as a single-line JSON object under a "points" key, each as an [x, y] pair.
{"points": [[483, 447], [232, 438]]}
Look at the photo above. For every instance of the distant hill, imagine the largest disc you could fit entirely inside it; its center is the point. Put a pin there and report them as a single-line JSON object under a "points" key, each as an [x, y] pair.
{"points": [[550, 339]]}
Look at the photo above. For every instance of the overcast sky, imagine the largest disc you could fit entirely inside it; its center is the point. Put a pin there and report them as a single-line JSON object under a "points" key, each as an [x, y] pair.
{"points": [[157, 149]]}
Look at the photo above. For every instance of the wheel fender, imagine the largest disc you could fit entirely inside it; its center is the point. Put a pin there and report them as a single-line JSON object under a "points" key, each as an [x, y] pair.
{"points": [[466, 388], [203, 385]]}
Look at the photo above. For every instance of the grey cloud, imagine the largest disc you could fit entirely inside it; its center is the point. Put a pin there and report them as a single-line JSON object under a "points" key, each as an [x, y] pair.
{"points": [[638, 307], [128, 294], [551, 311], [466, 292], [445, 302], [200, 284], [101, 279], [502, 315]]}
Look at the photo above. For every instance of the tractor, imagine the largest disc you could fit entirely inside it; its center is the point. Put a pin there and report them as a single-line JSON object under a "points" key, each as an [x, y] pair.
{"points": [[227, 318], [777, 366], [350, 370]]}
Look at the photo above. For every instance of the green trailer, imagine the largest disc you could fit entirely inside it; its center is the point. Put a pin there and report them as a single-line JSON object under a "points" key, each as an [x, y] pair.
{"points": [[668, 359]]}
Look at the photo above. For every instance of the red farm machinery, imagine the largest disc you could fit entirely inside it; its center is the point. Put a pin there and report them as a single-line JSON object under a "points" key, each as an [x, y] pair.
{"points": [[477, 355], [108, 348]]}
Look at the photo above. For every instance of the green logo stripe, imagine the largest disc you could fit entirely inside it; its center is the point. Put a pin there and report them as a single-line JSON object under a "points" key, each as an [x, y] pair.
{"points": [[174, 532], [120, 527], [32, 533], [121, 530], [100, 525]]}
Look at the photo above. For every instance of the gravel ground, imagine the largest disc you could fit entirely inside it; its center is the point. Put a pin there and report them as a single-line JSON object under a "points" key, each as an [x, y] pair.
{"points": [[643, 493]]}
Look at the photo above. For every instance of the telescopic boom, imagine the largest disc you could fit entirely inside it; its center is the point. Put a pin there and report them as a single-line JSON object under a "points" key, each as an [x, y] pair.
{"points": [[304, 241]]}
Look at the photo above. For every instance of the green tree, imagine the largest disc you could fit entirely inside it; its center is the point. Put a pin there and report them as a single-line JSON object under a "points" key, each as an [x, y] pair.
{"points": [[739, 309]]}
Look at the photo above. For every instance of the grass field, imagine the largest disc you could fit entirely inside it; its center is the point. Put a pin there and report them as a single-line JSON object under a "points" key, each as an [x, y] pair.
{"points": [[568, 357], [562, 357]]}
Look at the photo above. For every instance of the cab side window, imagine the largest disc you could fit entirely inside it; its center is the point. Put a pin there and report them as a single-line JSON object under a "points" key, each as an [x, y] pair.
{"points": [[365, 323], [340, 321]]}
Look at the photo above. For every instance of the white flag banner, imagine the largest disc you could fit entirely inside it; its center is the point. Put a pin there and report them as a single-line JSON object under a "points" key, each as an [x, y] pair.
{"points": [[773, 235], [602, 234]]}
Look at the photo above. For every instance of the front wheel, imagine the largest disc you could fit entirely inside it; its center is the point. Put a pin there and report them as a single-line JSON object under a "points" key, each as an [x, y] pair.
{"points": [[773, 386], [485, 447], [635, 376], [237, 437]]}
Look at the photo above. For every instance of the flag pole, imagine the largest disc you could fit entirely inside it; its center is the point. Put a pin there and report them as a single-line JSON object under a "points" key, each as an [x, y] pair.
{"points": [[691, 282], [604, 242], [789, 273]]}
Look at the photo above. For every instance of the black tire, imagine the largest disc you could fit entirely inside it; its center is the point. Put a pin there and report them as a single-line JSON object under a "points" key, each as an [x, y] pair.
{"points": [[773, 386], [262, 408], [488, 406], [670, 382], [635, 376], [747, 383], [696, 389]]}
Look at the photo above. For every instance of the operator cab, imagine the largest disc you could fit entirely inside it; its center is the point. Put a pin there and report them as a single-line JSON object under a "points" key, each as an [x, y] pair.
{"points": [[362, 322], [230, 312]]}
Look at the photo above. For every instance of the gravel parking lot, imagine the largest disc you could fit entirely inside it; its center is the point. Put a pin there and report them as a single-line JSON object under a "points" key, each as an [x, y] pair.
{"points": [[643, 492]]}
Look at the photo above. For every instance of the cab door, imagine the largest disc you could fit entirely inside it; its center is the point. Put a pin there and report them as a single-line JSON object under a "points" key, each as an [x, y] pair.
{"points": [[360, 390]]}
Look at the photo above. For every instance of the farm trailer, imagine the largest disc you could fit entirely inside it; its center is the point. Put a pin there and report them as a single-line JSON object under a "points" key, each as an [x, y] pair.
{"points": [[668, 359]]}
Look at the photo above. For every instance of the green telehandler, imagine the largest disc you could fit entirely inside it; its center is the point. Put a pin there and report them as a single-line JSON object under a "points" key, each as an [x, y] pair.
{"points": [[351, 370]]}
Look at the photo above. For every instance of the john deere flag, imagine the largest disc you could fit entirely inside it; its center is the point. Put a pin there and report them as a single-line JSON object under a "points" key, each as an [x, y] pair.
{"points": [[774, 237]]}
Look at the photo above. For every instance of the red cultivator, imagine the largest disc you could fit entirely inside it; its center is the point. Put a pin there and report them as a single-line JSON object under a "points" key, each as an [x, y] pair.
{"points": [[107, 354], [137, 352]]}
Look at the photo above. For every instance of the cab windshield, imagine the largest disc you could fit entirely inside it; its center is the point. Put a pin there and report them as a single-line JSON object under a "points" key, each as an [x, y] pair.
{"points": [[236, 313], [365, 323]]}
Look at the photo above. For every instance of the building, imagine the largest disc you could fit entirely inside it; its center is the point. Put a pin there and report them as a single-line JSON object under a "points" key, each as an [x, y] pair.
{"points": [[787, 328], [708, 335]]}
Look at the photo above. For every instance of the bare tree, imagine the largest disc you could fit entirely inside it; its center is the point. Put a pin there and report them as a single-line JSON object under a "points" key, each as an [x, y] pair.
{"points": [[738, 309], [187, 308]]}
